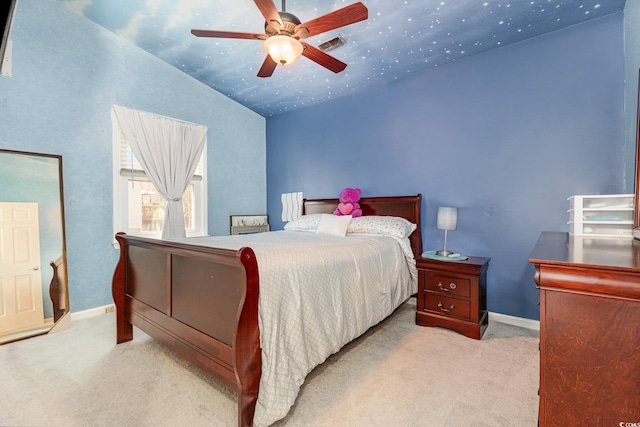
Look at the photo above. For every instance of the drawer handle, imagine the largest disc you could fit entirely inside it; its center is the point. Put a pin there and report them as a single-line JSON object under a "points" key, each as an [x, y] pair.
{"points": [[446, 310], [452, 286]]}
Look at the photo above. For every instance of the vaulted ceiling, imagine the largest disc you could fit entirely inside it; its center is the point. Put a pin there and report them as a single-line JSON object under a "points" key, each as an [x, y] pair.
{"points": [[399, 39]]}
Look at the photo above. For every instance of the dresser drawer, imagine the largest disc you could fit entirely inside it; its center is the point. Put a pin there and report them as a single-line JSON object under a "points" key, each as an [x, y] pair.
{"points": [[450, 285], [447, 306]]}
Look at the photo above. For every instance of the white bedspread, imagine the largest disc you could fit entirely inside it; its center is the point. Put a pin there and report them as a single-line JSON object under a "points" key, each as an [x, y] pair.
{"points": [[317, 293]]}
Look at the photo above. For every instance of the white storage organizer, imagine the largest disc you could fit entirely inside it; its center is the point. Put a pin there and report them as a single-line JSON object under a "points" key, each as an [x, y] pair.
{"points": [[609, 215]]}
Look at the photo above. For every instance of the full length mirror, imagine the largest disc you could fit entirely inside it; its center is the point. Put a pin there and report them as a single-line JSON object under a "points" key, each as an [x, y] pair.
{"points": [[636, 221], [34, 297]]}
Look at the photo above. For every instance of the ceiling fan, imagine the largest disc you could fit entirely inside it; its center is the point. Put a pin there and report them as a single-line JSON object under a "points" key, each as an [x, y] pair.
{"points": [[283, 32]]}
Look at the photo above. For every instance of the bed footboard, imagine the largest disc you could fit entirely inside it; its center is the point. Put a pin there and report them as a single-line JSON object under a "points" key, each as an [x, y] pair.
{"points": [[200, 302]]}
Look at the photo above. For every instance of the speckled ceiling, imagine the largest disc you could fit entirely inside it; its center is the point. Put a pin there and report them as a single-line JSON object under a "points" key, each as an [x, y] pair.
{"points": [[400, 38]]}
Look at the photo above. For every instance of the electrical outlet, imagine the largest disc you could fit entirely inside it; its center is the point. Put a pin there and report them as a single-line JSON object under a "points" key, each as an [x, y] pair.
{"points": [[109, 309]]}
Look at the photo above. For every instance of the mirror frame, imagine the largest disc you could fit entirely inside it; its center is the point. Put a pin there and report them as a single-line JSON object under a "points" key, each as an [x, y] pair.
{"points": [[61, 320], [636, 220]]}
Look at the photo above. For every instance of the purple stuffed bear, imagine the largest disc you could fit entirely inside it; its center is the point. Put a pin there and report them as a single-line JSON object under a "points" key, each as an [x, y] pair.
{"points": [[349, 205]]}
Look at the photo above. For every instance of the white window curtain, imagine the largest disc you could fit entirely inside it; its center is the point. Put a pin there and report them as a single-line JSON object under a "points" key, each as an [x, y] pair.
{"points": [[168, 150]]}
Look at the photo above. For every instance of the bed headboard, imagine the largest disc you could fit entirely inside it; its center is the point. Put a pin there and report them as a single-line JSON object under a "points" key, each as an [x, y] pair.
{"points": [[403, 206]]}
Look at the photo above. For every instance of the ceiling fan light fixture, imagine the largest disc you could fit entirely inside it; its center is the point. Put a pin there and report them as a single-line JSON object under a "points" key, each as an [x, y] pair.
{"points": [[283, 49]]}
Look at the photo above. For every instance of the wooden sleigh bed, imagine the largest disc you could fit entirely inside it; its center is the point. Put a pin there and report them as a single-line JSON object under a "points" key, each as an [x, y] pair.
{"points": [[202, 302]]}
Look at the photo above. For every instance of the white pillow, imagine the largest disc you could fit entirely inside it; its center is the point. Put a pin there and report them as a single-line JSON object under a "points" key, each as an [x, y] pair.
{"points": [[382, 225], [334, 225], [304, 223]]}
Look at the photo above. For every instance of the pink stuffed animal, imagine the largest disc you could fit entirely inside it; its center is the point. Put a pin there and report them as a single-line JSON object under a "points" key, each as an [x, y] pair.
{"points": [[349, 205]]}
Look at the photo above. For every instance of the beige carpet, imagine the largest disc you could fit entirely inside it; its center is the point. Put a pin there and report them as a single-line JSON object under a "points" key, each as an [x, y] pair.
{"points": [[397, 374]]}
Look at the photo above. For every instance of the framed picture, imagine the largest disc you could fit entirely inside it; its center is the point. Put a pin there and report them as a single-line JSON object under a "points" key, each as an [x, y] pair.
{"points": [[249, 220], [247, 224]]}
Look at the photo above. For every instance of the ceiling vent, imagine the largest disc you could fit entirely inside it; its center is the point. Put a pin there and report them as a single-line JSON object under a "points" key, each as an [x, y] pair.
{"points": [[331, 44]]}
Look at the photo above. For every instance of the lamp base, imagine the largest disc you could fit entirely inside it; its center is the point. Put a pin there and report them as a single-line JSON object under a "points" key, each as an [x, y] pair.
{"points": [[444, 253]]}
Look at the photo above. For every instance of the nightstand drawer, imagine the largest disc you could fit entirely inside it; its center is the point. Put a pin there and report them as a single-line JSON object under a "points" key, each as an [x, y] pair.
{"points": [[455, 307], [449, 285]]}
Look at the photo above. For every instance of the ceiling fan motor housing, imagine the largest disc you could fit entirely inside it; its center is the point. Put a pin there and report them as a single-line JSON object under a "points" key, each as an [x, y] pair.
{"points": [[289, 23]]}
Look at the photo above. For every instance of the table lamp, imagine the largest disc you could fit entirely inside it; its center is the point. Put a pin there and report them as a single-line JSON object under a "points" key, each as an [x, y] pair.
{"points": [[447, 220]]}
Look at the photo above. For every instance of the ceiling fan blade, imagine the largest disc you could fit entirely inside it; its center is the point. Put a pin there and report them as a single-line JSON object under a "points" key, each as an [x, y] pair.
{"points": [[268, 66], [339, 18], [228, 34], [270, 12], [327, 61]]}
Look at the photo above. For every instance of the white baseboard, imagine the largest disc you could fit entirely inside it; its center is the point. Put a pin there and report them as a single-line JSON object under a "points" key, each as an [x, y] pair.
{"points": [[493, 317], [92, 312], [515, 321]]}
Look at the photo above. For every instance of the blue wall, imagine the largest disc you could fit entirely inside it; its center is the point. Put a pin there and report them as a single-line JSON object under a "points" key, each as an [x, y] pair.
{"points": [[67, 72], [506, 136]]}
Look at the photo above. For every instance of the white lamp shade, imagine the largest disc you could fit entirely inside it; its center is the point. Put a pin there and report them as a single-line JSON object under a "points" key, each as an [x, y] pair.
{"points": [[447, 218], [283, 49]]}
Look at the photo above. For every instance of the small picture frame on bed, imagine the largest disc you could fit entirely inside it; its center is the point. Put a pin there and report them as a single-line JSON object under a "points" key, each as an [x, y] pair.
{"points": [[248, 224]]}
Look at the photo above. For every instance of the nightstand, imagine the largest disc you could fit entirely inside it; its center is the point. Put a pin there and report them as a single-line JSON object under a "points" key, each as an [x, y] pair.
{"points": [[453, 295]]}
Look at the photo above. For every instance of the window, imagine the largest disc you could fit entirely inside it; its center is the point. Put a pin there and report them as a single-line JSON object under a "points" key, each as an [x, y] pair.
{"points": [[138, 208]]}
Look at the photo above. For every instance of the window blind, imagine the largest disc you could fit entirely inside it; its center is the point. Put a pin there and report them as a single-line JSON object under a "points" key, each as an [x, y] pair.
{"points": [[129, 165]]}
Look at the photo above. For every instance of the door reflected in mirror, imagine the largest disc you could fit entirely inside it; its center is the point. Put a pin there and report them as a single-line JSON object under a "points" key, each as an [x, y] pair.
{"points": [[34, 294]]}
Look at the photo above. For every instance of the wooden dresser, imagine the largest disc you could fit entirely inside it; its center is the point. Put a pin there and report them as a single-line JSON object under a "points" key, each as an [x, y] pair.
{"points": [[589, 330]]}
